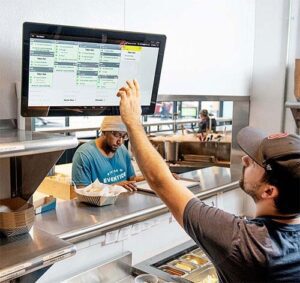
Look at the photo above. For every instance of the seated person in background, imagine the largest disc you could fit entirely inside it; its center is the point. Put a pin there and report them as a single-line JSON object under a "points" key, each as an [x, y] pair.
{"points": [[105, 158], [206, 124]]}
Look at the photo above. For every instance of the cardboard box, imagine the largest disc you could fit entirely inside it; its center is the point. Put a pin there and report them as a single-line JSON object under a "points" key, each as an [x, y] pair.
{"points": [[17, 218], [43, 203], [58, 186]]}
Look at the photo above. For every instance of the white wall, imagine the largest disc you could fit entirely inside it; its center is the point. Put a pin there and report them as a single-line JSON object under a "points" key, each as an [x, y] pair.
{"points": [[270, 60], [293, 53], [209, 46], [209, 43]]}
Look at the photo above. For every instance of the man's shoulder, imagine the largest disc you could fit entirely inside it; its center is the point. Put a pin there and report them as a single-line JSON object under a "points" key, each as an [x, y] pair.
{"points": [[87, 147], [122, 150], [88, 144]]}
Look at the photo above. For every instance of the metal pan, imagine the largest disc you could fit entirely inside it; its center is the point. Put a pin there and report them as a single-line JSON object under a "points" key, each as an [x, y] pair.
{"points": [[185, 266], [200, 261], [172, 271]]}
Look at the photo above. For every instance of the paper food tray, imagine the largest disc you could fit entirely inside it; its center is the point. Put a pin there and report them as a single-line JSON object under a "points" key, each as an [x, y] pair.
{"points": [[99, 201], [95, 198]]}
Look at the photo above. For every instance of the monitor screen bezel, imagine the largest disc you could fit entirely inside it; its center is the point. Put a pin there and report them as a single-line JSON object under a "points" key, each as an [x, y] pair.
{"points": [[73, 31]]}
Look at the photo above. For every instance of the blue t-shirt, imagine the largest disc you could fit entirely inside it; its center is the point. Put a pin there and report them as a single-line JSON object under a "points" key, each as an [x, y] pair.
{"points": [[89, 164]]}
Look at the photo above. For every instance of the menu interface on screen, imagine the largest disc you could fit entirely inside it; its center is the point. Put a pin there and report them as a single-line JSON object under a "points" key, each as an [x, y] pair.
{"points": [[75, 72]]}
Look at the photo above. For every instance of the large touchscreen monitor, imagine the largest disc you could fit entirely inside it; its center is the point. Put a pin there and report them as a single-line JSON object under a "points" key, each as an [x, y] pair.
{"points": [[71, 71]]}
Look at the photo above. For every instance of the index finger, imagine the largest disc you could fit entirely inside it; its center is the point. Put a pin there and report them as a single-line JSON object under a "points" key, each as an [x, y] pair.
{"points": [[130, 84], [137, 86]]}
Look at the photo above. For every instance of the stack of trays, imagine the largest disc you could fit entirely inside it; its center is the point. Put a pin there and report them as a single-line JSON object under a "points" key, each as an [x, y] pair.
{"points": [[194, 267], [16, 216]]}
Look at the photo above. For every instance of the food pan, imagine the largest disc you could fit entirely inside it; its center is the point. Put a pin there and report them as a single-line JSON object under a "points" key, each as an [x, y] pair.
{"points": [[198, 252], [172, 271], [200, 261], [206, 275], [183, 265]]}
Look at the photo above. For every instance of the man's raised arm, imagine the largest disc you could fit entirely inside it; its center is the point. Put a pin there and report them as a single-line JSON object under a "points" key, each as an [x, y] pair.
{"points": [[153, 167]]}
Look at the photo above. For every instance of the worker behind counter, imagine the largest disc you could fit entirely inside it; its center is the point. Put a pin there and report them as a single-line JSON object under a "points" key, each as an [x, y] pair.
{"points": [[207, 125], [105, 158]]}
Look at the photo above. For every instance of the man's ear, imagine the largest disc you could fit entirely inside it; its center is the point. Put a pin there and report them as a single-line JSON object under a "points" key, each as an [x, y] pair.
{"points": [[269, 192]]}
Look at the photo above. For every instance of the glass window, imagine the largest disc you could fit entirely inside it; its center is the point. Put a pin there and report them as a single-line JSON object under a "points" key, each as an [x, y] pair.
{"points": [[189, 109], [163, 113], [227, 109], [160, 121], [49, 122], [213, 107]]}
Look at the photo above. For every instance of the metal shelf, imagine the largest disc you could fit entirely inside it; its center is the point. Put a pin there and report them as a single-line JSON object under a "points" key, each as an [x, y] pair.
{"points": [[295, 108], [26, 253], [18, 143], [25, 158]]}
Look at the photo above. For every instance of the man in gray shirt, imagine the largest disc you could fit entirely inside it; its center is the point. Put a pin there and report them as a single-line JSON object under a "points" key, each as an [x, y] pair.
{"points": [[263, 249]]}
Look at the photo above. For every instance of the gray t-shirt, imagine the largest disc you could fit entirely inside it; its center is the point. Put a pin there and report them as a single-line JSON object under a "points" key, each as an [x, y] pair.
{"points": [[256, 250]]}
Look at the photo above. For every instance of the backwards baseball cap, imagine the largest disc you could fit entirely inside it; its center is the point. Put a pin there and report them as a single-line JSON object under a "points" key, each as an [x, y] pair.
{"points": [[113, 123], [281, 149]]}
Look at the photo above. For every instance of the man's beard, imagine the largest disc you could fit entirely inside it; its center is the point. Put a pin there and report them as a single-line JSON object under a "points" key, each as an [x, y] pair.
{"points": [[248, 191], [112, 149], [242, 181], [109, 148]]}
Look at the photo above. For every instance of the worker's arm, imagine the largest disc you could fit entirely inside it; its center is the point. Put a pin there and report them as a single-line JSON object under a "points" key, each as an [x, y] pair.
{"points": [[153, 167], [138, 178]]}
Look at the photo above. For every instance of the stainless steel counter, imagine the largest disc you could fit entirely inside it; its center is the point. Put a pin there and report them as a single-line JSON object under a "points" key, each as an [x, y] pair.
{"points": [[76, 221]]}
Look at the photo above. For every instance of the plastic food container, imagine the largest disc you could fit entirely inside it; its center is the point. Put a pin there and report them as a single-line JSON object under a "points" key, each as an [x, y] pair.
{"points": [[17, 218]]}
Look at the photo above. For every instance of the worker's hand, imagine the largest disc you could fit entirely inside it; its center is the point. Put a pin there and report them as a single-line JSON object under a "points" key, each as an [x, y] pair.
{"points": [[130, 105], [128, 185]]}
